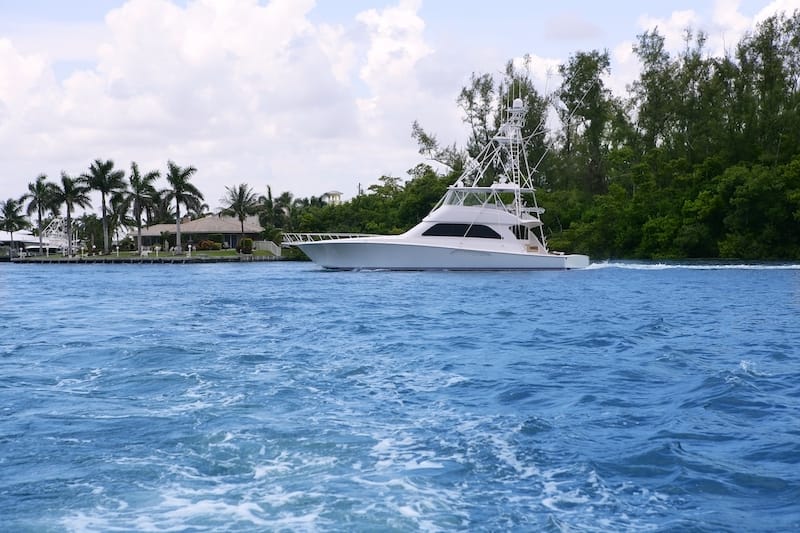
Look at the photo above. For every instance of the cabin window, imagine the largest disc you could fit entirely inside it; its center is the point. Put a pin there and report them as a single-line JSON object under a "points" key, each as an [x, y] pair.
{"points": [[461, 230]]}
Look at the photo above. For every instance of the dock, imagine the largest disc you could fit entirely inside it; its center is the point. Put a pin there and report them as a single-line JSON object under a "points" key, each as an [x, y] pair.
{"points": [[171, 259]]}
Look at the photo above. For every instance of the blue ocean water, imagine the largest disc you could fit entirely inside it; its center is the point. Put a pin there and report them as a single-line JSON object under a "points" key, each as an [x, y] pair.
{"points": [[278, 396]]}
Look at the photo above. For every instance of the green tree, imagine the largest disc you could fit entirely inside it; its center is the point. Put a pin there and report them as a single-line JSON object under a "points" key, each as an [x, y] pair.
{"points": [[120, 207], [71, 193], [283, 209], [240, 201], [769, 86], [183, 193], [12, 219], [40, 200], [477, 101], [654, 90], [450, 157], [199, 210], [103, 178], [142, 196], [89, 230], [268, 216], [697, 123], [160, 210], [763, 218], [587, 109], [420, 194]]}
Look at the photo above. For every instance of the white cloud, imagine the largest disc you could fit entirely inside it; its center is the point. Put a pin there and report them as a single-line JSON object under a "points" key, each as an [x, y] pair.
{"points": [[396, 46], [339, 49], [777, 6], [64, 42], [22, 74]]}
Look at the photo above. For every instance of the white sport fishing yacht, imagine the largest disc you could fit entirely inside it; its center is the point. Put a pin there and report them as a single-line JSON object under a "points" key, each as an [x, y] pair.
{"points": [[473, 227]]}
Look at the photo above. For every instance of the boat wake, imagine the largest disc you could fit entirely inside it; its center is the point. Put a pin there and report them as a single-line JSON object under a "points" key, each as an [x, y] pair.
{"points": [[644, 265]]}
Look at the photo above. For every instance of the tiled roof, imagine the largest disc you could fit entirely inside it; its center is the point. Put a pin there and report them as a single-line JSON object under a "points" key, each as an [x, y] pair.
{"points": [[209, 224]]}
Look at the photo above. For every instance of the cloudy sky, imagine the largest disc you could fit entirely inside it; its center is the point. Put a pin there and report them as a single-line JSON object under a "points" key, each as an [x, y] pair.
{"points": [[303, 95]]}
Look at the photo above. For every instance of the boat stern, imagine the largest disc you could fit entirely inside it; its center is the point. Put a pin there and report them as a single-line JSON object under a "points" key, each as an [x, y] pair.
{"points": [[573, 261]]}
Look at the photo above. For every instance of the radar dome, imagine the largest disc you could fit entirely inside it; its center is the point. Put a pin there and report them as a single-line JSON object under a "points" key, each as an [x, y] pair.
{"points": [[517, 103]]}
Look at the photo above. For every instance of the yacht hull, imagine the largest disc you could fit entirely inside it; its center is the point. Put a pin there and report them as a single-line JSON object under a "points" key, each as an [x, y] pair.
{"points": [[358, 254]]}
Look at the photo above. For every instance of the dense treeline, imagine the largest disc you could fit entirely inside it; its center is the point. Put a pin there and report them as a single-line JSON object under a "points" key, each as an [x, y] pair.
{"points": [[700, 159]]}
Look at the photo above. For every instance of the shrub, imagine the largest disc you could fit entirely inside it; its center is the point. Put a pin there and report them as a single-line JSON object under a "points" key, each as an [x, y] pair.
{"points": [[206, 245], [216, 237], [127, 244], [245, 246]]}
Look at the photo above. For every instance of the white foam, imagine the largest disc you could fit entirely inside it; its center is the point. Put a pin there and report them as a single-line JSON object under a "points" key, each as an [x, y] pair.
{"points": [[415, 502], [84, 523], [455, 380], [408, 511], [414, 464], [387, 444], [244, 511], [692, 266], [750, 368], [262, 471], [505, 452]]}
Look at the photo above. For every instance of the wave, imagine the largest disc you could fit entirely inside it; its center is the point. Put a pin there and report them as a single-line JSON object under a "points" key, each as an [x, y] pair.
{"points": [[645, 265]]}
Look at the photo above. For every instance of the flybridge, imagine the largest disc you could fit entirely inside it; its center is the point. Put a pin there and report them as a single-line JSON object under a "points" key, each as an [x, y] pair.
{"points": [[498, 196]]}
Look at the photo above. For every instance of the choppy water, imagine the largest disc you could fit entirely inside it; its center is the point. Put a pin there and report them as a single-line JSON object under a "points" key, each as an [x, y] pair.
{"points": [[629, 397]]}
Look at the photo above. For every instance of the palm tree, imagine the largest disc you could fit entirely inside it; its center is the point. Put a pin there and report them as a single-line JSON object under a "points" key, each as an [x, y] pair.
{"points": [[182, 192], [88, 229], [160, 210], [40, 199], [267, 209], [102, 177], [241, 202], [118, 215], [199, 210], [72, 193], [283, 208], [12, 219], [142, 195]]}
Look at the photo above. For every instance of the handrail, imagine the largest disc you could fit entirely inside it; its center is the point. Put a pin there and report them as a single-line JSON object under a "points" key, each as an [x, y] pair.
{"points": [[290, 239]]}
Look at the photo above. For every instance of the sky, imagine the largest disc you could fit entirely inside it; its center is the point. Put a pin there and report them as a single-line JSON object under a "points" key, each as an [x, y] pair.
{"points": [[304, 96]]}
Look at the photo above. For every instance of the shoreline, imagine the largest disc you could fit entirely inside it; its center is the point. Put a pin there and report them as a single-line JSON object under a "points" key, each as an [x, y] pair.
{"points": [[145, 260]]}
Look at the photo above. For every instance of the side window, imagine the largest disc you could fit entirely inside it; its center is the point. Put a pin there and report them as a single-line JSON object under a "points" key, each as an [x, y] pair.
{"points": [[461, 230]]}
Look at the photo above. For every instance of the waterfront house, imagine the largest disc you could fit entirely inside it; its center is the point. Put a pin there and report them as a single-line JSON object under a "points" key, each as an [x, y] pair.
{"points": [[194, 231]]}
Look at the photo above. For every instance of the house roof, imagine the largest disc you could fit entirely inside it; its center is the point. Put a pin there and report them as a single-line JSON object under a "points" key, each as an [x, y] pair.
{"points": [[208, 224]]}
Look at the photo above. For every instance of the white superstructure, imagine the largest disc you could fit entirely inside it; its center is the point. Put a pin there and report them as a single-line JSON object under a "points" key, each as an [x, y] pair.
{"points": [[473, 227]]}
